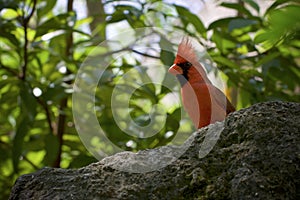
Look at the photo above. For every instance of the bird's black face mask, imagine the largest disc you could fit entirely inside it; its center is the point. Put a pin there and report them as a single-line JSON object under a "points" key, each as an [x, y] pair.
{"points": [[183, 78]]}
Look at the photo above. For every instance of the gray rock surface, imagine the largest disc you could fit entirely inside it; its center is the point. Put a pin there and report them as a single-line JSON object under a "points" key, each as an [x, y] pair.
{"points": [[255, 156]]}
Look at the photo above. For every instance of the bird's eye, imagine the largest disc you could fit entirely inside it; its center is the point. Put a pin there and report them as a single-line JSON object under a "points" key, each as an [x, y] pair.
{"points": [[188, 64], [185, 65]]}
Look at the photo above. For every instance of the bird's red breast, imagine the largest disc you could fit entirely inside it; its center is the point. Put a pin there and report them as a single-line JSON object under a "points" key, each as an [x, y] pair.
{"points": [[204, 103]]}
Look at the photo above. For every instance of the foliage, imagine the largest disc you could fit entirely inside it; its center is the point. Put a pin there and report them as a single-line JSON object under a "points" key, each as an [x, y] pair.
{"points": [[260, 55], [42, 50]]}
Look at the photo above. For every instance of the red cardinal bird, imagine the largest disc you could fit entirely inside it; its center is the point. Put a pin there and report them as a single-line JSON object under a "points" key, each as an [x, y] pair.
{"points": [[204, 103]]}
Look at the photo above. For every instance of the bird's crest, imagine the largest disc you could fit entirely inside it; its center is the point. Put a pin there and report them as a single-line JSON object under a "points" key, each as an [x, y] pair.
{"points": [[186, 52]]}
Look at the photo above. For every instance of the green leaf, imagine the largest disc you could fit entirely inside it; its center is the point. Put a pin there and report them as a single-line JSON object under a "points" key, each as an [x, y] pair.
{"points": [[58, 22], [51, 148], [187, 17], [253, 4], [55, 93], [164, 90], [240, 23], [146, 91], [81, 160], [285, 19], [18, 141], [9, 14], [223, 41], [173, 120], [167, 57], [142, 120], [267, 58], [278, 3], [225, 61], [45, 8], [237, 7], [28, 112], [6, 32], [244, 98], [27, 101], [221, 23], [129, 9], [132, 14], [284, 24], [34, 143], [116, 17], [166, 54], [9, 4]]}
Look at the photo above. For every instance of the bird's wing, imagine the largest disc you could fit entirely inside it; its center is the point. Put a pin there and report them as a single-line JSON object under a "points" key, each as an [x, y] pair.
{"points": [[221, 99]]}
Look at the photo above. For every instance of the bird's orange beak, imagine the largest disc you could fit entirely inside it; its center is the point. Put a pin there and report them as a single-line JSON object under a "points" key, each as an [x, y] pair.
{"points": [[175, 70]]}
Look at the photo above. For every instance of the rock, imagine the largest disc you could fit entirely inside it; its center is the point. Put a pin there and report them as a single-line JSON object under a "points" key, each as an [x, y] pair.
{"points": [[255, 155]]}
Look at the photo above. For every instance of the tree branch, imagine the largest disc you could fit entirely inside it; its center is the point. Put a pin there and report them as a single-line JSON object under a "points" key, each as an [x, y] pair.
{"points": [[144, 54], [48, 114], [25, 21], [64, 102], [30, 162], [96, 10], [8, 69], [129, 49]]}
